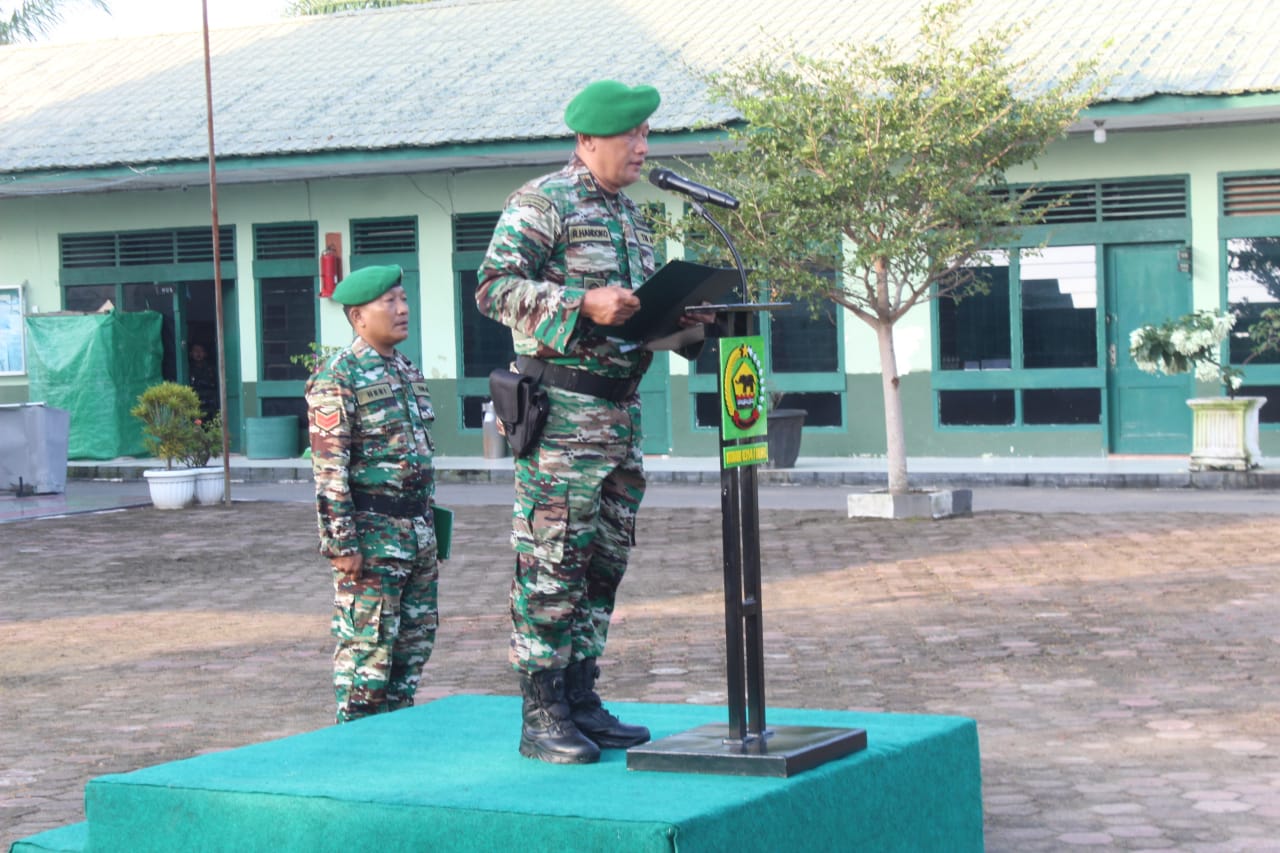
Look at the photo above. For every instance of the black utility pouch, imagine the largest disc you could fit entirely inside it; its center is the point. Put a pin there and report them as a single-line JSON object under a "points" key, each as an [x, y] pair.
{"points": [[522, 406]]}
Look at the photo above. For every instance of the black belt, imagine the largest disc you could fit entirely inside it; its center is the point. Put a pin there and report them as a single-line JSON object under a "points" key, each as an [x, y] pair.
{"points": [[387, 505], [578, 381]]}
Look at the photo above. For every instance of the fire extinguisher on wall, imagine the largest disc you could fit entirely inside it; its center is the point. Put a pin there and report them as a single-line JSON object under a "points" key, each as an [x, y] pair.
{"points": [[330, 270]]}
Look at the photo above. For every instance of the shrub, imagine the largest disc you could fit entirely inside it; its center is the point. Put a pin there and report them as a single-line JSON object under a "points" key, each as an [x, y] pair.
{"points": [[169, 413], [206, 442]]}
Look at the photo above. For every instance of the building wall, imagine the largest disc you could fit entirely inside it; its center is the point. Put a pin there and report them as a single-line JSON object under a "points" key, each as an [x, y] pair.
{"points": [[29, 252]]}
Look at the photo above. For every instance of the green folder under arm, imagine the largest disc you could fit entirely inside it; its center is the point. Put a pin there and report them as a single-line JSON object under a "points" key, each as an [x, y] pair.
{"points": [[444, 530]]}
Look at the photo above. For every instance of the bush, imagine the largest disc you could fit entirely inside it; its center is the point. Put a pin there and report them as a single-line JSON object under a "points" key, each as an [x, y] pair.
{"points": [[1190, 344], [169, 413], [317, 357], [206, 443]]}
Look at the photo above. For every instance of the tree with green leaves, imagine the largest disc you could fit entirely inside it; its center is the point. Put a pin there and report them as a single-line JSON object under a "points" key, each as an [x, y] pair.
{"points": [[300, 8], [874, 177], [31, 19]]}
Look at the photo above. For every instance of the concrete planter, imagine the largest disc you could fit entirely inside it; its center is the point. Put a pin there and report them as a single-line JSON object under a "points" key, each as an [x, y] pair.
{"points": [[210, 485], [933, 503], [1224, 433], [171, 489]]}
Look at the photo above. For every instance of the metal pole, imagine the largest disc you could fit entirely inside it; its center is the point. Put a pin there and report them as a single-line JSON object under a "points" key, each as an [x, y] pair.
{"points": [[217, 264]]}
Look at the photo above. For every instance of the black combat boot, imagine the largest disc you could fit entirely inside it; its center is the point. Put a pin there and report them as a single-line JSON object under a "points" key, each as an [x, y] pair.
{"points": [[548, 733], [590, 716]]}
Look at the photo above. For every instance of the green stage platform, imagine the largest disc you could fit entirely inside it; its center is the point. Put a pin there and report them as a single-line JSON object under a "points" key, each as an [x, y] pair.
{"points": [[447, 776]]}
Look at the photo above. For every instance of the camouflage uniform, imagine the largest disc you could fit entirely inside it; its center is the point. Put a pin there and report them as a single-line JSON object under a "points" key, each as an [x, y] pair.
{"points": [[370, 424], [578, 491]]}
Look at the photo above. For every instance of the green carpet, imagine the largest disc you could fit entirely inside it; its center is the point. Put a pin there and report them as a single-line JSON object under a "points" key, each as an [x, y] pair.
{"points": [[447, 776], [64, 839]]}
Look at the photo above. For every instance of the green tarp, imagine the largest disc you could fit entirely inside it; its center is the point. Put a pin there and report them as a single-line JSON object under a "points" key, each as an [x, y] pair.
{"points": [[95, 366]]}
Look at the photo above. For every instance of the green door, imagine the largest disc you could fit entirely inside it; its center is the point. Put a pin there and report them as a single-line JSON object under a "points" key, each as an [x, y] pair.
{"points": [[655, 402], [1146, 413]]}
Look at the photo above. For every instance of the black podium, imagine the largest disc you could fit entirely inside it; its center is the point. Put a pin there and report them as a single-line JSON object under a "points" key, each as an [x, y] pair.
{"points": [[745, 745]]}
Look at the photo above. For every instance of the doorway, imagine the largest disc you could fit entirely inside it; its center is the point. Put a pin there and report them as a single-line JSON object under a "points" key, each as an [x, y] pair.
{"points": [[1147, 413]]}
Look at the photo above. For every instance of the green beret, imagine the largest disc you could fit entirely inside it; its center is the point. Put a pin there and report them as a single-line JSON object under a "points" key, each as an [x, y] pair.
{"points": [[367, 284], [607, 107]]}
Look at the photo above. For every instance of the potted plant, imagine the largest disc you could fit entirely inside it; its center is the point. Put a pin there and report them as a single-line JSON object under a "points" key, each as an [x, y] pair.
{"points": [[206, 444], [1224, 430], [169, 412]]}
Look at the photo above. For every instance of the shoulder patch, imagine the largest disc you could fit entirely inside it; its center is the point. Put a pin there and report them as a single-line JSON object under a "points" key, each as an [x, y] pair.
{"points": [[370, 393], [535, 200], [589, 234]]}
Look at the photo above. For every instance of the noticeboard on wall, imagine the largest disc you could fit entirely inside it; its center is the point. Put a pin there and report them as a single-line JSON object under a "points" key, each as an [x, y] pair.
{"points": [[12, 351]]}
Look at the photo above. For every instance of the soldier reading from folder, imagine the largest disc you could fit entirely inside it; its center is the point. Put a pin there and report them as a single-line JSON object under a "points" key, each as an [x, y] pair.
{"points": [[566, 255], [370, 420]]}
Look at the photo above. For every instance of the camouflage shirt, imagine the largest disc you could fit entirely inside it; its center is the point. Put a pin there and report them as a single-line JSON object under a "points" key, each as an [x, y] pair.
{"points": [[370, 425], [560, 235]]}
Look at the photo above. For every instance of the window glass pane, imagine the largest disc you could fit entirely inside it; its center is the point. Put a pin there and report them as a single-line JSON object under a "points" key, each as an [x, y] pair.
{"points": [[1062, 406], [707, 361], [1059, 307], [973, 332], [12, 353], [486, 344], [976, 408], [706, 410], [288, 325], [473, 412], [88, 297], [1270, 411], [804, 341], [821, 409], [1253, 286]]}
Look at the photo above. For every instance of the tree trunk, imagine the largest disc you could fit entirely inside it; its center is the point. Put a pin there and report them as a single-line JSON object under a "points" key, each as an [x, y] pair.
{"points": [[894, 433]]}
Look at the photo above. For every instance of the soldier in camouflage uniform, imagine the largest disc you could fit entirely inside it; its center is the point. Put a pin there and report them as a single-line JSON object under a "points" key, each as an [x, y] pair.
{"points": [[370, 424], [566, 254]]}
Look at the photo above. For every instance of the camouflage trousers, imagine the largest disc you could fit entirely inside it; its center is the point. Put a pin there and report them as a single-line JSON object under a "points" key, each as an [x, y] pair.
{"points": [[573, 526], [385, 623]]}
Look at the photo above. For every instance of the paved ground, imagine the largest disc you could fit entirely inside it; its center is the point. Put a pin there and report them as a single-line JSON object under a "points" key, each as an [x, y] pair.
{"points": [[1119, 650]]}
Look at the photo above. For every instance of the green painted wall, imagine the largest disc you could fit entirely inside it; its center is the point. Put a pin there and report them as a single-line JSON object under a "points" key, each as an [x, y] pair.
{"points": [[29, 229]]}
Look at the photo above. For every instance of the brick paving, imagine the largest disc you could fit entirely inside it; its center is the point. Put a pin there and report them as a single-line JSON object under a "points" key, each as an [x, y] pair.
{"points": [[1122, 668]]}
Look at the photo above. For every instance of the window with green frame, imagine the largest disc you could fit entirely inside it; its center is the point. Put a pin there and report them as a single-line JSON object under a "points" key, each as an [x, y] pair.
{"points": [[1039, 313], [153, 270], [804, 342], [483, 344], [285, 265], [1028, 352], [1249, 226]]}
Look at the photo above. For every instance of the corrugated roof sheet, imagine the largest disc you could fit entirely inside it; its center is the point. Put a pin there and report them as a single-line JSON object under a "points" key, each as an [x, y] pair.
{"points": [[474, 71]]}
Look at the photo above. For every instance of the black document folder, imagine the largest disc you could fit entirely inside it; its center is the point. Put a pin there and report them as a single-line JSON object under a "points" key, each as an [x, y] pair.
{"points": [[667, 294]]}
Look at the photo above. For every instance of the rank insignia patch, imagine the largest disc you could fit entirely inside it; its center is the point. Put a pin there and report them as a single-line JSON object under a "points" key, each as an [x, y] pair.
{"points": [[327, 419]]}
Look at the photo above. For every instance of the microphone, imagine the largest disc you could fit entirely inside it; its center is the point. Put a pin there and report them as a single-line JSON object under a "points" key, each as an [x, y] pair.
{"points": [[666, 179]]}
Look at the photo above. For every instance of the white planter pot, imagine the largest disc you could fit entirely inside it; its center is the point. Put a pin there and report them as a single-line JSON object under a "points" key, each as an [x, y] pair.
{"points": [[210, 485], [171, 489], [1224, 432]]}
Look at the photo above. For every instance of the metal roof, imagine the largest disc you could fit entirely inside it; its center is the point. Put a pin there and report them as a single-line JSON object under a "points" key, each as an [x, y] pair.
{"points": [[482, 72]]}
